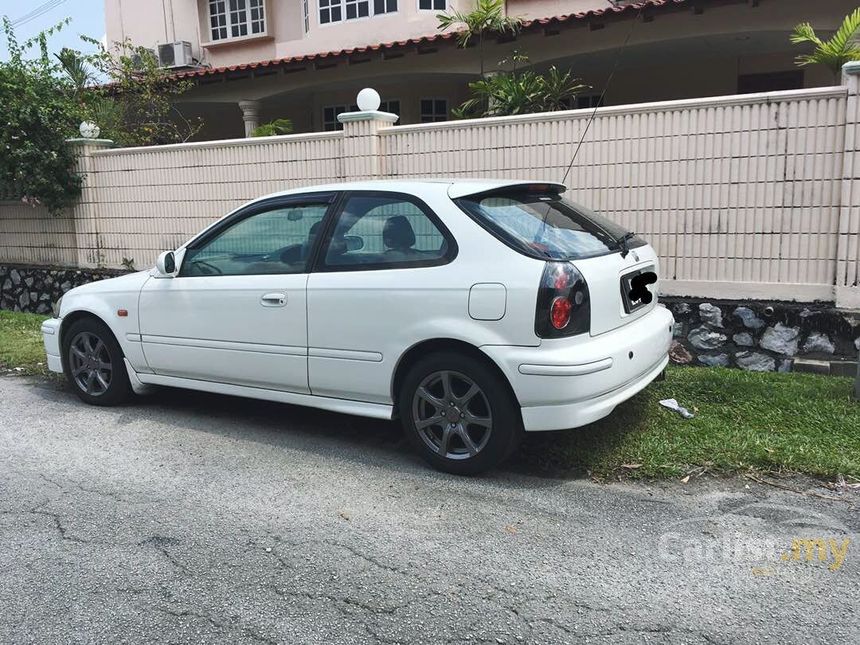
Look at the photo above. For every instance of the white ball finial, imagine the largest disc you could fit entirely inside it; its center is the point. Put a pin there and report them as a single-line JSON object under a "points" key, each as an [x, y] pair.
{"points": [[368, 100], [89, 130]]}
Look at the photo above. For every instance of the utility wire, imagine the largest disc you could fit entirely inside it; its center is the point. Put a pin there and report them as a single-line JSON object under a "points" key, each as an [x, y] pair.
{"points": [[45, 6], [605, 88], [41, 10]]}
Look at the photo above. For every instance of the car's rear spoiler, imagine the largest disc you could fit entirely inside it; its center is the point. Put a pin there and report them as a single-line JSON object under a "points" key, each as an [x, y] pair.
{"points": [[471, 188]]}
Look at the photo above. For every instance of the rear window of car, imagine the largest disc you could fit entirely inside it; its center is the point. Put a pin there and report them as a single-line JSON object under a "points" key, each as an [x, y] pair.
{"points": [[542, 224]]}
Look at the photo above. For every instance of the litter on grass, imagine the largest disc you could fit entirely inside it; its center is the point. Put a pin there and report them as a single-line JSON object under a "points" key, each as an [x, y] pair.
{"points": [[673, 405]]}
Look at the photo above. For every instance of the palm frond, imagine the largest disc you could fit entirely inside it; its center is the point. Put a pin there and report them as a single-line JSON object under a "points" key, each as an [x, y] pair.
{"points": [[847, 31], [842, 47], [804, 33], [488, 16]]}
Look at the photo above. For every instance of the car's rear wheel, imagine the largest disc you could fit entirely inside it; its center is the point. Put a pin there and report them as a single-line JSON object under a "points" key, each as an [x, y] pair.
{"points": [[459, 414], [94, 363]]}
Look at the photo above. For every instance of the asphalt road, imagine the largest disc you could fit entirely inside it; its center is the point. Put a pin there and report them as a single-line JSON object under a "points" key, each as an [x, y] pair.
{"points": [[190, 518]]}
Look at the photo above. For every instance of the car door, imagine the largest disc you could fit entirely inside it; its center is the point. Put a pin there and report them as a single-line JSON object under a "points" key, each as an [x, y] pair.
{"points": [[382, 270], [236, 311]]}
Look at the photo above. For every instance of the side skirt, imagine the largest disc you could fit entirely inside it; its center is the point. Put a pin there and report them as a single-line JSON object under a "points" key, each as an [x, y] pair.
{"points": [[358, 408]]}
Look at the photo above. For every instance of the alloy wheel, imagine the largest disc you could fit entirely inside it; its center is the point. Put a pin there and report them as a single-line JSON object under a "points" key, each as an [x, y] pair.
{"points": [[452, 415], [90, 363]]}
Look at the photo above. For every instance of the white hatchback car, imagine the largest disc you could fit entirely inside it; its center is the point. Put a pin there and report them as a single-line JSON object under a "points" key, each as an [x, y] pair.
{"points": [[473, 310]]}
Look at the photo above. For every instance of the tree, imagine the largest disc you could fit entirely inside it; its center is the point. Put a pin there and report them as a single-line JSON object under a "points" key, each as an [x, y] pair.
{"points": [[487, 17], [40, 111], [521, 92], [137, 106], [834, 53], [45, 99]]}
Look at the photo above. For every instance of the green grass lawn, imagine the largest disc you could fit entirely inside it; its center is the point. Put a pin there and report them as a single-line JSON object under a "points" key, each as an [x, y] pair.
{"points": [[744, 420], [21, 342]]}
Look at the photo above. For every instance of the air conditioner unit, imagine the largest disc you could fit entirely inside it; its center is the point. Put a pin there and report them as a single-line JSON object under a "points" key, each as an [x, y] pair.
{"points": [[176, 54], [137, 56]]}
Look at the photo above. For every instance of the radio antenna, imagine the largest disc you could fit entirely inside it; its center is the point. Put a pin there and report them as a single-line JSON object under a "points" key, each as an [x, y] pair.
{"points": [[605, 88]]}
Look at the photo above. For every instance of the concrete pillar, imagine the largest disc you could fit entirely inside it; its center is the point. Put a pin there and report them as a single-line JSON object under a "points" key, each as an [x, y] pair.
{"points": [[87, 240], [361, 153], [250, 115], [848, 245]]}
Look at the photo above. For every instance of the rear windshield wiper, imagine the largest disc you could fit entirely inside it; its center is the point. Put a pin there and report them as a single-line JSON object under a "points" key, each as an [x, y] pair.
{"points": [[622, 242]]}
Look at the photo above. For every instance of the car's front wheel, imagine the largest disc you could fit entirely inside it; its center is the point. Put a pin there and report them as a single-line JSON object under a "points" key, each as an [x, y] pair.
{"points": [[94, 363], [459, 414]]}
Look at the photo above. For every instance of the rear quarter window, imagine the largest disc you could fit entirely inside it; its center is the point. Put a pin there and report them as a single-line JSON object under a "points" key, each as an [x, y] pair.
{"points": [[545, 226]]}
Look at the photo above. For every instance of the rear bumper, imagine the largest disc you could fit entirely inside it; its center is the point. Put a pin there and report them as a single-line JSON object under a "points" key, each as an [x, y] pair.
{"points": [[567, 383], [51, 340]]}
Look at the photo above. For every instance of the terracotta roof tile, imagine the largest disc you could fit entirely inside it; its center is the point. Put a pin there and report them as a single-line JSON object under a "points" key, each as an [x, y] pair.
{"points": [[398, 44]]}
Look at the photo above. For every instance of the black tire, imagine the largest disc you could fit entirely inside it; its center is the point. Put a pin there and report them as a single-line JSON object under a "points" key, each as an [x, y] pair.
{"points": [[494, 401], [77, 367]]}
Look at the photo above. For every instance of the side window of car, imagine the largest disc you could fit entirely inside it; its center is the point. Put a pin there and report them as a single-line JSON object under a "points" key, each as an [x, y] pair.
{"points": [[386, 231], [272, 241]]}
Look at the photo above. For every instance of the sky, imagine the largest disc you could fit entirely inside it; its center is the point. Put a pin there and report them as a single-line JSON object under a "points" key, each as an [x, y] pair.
{"points": [[88, 17]]}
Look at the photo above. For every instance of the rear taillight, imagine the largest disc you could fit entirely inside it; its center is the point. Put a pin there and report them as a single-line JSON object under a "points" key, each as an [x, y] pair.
{"points": [[563, 305], [559, 312]]}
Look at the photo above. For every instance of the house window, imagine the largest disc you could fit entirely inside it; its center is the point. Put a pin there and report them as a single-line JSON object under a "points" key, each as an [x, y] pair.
{"points": [[330, 112], [258, 22], [307, 15], [357, 9], [218, 19], [236, 18], [432, 5], [384, 6], [337, 10], [330, 11], [773, 82], [392, 106], [433, 110], [588, 101]]}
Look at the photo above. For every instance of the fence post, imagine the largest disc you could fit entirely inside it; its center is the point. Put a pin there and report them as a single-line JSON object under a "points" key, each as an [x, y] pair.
{"points": [[361, 153], [848, 244], [84, 212]]}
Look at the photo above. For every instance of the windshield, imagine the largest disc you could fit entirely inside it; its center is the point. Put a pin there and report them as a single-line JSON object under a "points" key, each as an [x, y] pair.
{"points": [[544, 225]]}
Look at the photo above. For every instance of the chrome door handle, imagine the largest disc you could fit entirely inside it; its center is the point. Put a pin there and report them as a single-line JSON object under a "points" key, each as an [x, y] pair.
{"points": [[274, 300]]}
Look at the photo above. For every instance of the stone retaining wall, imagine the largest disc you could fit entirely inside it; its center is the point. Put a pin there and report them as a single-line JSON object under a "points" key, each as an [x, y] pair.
{"points": [[34, 289], [761, 336]]}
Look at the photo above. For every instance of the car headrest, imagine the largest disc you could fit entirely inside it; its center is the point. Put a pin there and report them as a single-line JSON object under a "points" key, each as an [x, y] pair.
{"points": [[398, 234]]}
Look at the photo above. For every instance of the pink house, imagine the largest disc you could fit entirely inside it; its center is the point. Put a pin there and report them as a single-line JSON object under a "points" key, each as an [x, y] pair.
{"points": [[256, 60]]}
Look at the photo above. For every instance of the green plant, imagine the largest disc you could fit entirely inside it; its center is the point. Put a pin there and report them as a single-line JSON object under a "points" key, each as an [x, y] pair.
{"points": [[40, 111], [746, 421], [842, 48], [520, 92], [137, 107], [273, 128], [487, 17], [128, 264], [21, 348]]}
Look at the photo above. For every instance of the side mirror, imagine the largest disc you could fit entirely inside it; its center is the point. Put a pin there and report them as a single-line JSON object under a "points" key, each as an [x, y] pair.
{"points": [[166, 264], [353, 242]]}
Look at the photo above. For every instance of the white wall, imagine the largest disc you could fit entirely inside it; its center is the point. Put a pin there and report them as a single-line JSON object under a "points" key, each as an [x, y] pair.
{"points": [[742, 196]]}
